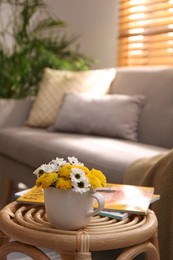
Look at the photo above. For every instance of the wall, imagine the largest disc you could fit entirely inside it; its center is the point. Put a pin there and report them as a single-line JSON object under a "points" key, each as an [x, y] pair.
{"points": [[95, 21]]}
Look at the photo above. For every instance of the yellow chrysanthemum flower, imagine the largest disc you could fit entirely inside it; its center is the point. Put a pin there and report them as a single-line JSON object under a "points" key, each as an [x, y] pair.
{"points": [[82, 167], [65, 170], [94, 181], [63, 183], [100, 176], [46, 179]]}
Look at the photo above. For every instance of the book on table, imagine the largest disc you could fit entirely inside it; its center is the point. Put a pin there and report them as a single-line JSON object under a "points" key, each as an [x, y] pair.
{"points": [[114, 214], [120, 200]]}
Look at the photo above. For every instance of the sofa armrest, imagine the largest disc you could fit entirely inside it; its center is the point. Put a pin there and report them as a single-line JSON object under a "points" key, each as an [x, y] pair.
{"points": [[157, 172], [14, 112]]}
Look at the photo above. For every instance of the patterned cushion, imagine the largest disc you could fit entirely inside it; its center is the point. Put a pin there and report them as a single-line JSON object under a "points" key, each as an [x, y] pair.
{"points": [[55, 83]]}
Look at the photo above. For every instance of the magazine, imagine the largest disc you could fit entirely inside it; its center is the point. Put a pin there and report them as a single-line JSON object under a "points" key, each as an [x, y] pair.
{"points": [[33, 196], [127, 198], [123, 215]]}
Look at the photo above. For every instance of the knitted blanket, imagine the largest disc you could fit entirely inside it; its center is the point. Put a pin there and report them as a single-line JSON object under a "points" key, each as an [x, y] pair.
{"points": [[157, 172]]}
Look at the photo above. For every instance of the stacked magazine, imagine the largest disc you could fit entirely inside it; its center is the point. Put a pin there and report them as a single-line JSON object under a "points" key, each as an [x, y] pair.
{"points": [[120, 200]]}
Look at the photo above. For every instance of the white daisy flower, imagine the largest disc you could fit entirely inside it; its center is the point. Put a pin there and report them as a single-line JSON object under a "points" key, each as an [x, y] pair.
{"points": [[77, 175], [81, 190], [73, 160], [47, 167], [81, 186], [59, 161], [52, 167], [40, 170]]}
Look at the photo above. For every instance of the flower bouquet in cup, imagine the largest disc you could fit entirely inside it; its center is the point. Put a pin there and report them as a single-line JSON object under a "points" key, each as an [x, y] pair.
{"points": [[69, 190]]}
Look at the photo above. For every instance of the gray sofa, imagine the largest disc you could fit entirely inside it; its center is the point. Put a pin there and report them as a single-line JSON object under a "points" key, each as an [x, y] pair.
{"points": [[24, 148]]}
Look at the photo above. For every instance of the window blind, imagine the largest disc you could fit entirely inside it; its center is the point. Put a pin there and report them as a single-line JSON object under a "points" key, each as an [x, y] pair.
{"points": [[145, 33]]}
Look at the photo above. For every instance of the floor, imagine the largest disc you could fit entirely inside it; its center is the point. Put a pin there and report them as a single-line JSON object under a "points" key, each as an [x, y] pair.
{"points": [[18, 256], [101, 255]]}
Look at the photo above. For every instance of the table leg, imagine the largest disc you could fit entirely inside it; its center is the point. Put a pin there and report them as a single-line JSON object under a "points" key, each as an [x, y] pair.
{"points": [[75, 255], [7, 191], [154, 240], [83, 256], [148, 248], [67, 255], [83, 246], [3, 238]]}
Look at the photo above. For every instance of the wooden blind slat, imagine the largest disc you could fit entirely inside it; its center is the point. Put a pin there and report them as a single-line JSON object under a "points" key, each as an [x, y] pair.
{"points": [[147, 18], [158, 38], [146, 62], [149, 47], [146, 9], [147, 23], [146, 53], [124, 4]]}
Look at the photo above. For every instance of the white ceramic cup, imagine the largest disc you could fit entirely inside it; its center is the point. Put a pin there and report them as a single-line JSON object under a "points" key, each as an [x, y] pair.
{"points": [[70, 210]]}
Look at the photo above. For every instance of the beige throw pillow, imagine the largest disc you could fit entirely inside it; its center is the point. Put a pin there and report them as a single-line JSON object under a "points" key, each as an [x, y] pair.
{"points": [[56, 82]]}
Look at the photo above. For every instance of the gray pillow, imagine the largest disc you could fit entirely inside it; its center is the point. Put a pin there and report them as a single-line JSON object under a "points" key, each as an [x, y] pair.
{"points": [[111, 115]]}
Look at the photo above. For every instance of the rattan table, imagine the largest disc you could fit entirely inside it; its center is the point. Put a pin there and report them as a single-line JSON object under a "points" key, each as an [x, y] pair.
{"points": [[28, 225]]}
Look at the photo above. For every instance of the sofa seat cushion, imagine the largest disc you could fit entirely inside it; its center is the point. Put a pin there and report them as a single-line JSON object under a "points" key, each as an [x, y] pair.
{"points": [[33, 147]]}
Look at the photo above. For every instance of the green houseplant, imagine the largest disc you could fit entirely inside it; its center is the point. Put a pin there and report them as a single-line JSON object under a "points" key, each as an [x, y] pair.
{"points": [[36, 41]]}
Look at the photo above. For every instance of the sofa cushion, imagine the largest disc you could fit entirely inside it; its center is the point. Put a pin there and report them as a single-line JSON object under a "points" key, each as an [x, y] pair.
{"points": [[56, 82], [156, 84], [32, 147], [110, 115]]}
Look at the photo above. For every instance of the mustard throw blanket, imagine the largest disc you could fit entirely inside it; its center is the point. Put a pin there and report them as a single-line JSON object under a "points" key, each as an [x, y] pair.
{"points": [[157, 172]]}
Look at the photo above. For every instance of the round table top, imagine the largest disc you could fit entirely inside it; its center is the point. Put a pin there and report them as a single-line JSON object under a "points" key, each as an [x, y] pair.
{"points": [[28, 224]]}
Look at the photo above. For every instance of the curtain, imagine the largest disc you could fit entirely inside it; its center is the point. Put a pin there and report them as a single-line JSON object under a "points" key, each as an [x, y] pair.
{"points": [[145, 33]]}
